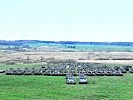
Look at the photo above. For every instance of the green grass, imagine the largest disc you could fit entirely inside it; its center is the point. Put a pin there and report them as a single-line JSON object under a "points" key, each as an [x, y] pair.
{"points": [[54, 88]]}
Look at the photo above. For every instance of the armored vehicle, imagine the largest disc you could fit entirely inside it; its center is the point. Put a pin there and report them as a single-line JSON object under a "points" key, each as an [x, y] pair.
{"points": [[118, 73], [10, 71], [27, 71], [82, 79], [18, 71], [70, 79]]}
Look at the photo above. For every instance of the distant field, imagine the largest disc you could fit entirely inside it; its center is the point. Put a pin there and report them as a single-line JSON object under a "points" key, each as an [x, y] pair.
{"points": [[54, 88], [103, 47], [84, 47], [67, 45], [100, 57]]}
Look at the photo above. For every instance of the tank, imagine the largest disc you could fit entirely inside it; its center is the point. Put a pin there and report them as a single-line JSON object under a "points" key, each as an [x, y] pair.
{"points": [[99, 73], [37, 72], [118, 73], [27, 71], [122, 70], [131, 70], [90, 73], [18, 71], [10, 71], [108, 73]]}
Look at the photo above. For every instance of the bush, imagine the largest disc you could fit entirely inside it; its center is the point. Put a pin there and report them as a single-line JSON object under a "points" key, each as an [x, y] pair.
{"points": [[51, 58], [10, 63], [56, 61], [81, 59], [102, 59]]}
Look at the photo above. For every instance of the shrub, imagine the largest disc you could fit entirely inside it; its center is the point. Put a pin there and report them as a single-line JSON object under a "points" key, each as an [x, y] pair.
{"points": [[56, 61]]}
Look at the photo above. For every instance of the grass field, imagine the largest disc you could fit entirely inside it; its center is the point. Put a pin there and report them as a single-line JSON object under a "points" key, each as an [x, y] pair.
{"points": [[54, 88]]}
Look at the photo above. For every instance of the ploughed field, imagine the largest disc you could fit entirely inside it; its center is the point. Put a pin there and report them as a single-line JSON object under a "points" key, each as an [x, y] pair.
{"points": [[51, 87]]}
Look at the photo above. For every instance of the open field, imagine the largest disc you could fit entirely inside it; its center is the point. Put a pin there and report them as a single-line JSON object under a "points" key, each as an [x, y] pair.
{"points": [[96, 57], [13, 87], [54, 88]]}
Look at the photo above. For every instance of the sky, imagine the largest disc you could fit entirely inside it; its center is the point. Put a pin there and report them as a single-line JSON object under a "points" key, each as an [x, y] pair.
{"points": [[67, 20]]}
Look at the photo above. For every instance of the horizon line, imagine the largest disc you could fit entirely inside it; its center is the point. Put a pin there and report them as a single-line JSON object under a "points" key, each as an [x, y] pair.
{"points": [[58, 40]]}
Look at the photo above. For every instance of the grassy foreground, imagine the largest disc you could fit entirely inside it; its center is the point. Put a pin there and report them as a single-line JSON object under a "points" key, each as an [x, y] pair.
{"points": [[54, 88]]}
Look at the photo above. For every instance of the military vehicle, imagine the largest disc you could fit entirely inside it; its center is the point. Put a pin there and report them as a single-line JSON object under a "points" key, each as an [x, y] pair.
{"points": [[118, 73], [82, 79], [131, 70], [127, 67], [27, 71], [10, 71], [122, 70], [108, 73], [37, 72], [90, 73], [70, 79], [18, 71], [99, 73]]}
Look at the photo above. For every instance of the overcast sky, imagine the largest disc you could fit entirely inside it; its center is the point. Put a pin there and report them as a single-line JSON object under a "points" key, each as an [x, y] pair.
{"points": [[67, 20]]}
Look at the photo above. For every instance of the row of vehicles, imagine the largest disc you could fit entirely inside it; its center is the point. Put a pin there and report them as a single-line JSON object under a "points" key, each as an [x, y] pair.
{"points": [[71, 79], [43, 71], [87, 69]]}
